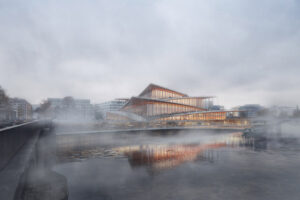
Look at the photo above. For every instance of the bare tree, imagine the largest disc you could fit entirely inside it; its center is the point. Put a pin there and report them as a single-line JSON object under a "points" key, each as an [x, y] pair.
{"points": [[296, 113], [68, 107], [5, 108], [44, 109], [45, 105], [4, 99], [68, 103]]}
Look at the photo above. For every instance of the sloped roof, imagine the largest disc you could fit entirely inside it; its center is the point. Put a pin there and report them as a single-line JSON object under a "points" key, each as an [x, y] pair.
{"points": [[135, 100], [187, 97], [152, 86]]}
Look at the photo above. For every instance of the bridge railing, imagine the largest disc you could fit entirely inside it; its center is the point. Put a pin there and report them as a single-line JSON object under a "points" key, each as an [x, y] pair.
{"points": [[13, 138]]}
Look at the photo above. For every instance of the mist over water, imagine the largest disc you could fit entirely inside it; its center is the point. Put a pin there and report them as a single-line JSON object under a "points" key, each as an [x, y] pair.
{"points": [[86, 55], [181, 165]]}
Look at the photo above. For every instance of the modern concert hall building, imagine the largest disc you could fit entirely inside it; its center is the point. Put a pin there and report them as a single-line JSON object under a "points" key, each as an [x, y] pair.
{"points": [[163, 106]]}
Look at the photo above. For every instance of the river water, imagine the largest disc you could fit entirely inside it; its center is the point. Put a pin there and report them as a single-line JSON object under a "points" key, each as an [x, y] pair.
{"points": [[181, 165]]}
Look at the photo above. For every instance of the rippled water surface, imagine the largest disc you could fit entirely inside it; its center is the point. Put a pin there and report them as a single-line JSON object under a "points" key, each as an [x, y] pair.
{"points": [[185, 165]]}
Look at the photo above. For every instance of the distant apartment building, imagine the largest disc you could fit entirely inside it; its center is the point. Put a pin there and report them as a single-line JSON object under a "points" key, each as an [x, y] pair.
{"points": [[251, 110], [5, 113], [14, 109], [109, 106], [63, 108], [21, 110]]}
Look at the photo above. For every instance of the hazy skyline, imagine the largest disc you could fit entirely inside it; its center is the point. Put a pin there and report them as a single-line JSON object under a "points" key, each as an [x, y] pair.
{"points": [[240, 51]]}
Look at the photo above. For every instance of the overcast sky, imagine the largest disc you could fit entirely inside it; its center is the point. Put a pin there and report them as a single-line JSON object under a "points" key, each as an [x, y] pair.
{"points": [[241, 51]]}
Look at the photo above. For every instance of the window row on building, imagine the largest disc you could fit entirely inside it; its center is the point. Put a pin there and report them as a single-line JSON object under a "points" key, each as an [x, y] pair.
{"points": [[167, 108], [202, 102], [204, 116]]}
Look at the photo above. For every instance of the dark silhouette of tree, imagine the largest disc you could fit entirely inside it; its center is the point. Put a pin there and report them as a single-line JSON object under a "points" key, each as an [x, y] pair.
{"points": [[5, 108], [68, 107], [44, 108], [68, 103], [4, 99], [296, 112]]}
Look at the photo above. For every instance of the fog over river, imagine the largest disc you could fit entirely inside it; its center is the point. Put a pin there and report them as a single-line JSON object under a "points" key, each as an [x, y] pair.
{"points": [[181, 165]]}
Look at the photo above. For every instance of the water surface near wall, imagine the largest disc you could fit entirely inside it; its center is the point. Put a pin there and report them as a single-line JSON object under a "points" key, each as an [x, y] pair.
{"points": [[182, 165]]}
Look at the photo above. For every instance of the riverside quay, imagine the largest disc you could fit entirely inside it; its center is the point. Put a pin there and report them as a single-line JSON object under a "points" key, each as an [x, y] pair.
{"points": [[160, 106]]}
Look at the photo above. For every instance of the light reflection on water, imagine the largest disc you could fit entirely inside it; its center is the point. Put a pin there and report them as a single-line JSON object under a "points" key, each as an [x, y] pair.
{"points": [[180, 166]]}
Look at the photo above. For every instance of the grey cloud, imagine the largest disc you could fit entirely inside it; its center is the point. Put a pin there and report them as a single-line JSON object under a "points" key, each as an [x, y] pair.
{"points": [[242, 51]]}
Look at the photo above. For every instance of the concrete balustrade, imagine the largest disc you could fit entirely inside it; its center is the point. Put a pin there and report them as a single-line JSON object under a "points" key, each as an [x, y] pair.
{"points": [[18, 150]]}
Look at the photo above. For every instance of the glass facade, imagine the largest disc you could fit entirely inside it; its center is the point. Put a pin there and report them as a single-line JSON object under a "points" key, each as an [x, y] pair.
{"points": [[198, 116], [152, 108], [157, 103], [167, 108], [202, 102]]}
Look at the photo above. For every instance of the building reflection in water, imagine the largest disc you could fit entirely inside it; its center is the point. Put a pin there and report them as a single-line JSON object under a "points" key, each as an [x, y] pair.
{"points": [[159, 157], [155, 156]]}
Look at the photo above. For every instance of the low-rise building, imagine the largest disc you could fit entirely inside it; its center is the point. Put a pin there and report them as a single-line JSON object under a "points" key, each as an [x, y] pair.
{"points": [[70, 108], [251, 110], [21, 109], [108, 106]]}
